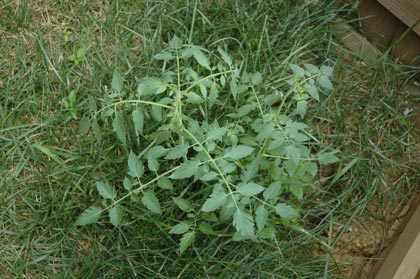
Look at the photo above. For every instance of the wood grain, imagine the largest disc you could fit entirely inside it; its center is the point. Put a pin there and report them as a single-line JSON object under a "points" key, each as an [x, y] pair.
{"points": [[408, 11]]}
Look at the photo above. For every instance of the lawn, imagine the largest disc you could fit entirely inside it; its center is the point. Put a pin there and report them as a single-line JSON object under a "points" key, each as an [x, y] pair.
{"points": [[135, 141]]}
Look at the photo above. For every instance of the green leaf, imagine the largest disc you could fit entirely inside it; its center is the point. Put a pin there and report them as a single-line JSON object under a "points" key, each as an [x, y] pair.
{"points": [[325, 82], [201, 57], [261, 216], [328, 71], [216, 134], [175, 43], [214, 93], [216, 199], [117, 81], [186, 241], [183, 204], [296, 190], [205, 228], [166, 56], [193, 98], [180, 228], [286, 211], [209, 176], [138, 120], [243, 110], [177, 152], [243, 223], [252, 169], [135, 166], [84, 125], [151, 202], [250, 189], [326, 158], [273, 191], [301, 108], [238, 152], [186, 170], [150, 86], [298, 71], [312, 91], [256, 78], [96, 131], [156, 112], [311, 68], [225, 56], [119, 127], [105, 190], [89, 216], [293, 153], [152, 163], [127, 184], [165, 183], [115, 215]]}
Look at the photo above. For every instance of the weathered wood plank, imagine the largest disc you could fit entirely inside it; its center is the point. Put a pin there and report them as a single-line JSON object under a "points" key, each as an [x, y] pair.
{"points": [[403, 262], [408, 11]]}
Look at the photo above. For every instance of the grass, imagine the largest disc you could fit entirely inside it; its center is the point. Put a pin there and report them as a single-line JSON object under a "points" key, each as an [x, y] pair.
{"points": [[49, 163]]}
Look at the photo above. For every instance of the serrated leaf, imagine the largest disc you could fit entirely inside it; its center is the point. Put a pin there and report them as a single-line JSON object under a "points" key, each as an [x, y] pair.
{"points": [[152, 163], [151, 202], [252, 169], [105, 190], [327, 158], [293, 153], [127, 184], [272, 191], [311, 68], [225, 56], [193, 98], [117, 81], [115, 215], [328, 71], [312, 90], [238, 152], [296, 190], [250, 189], [177, 152], [166, 56], [175, 43], [256, 78], [119, 127], [135, 166], [261, 216], [186, 241], [311, 168], [214, 93], [183, 204], [325, 82], [84, 125], [138, 120], [201, 58], [89, 216], [243, 110], [205, 228], [216, 134], [180, 228], [216, 199], [286, 211], [165, 183], [150, 86], [156, 112], [301, 108], [96, 131], [186, 170], [243, 223], [209, 176], [298, 71]]}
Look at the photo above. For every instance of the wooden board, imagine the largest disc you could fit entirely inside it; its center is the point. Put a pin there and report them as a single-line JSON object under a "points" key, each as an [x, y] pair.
{"points": [[408, 11], [387, 31], [403, 261]]}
